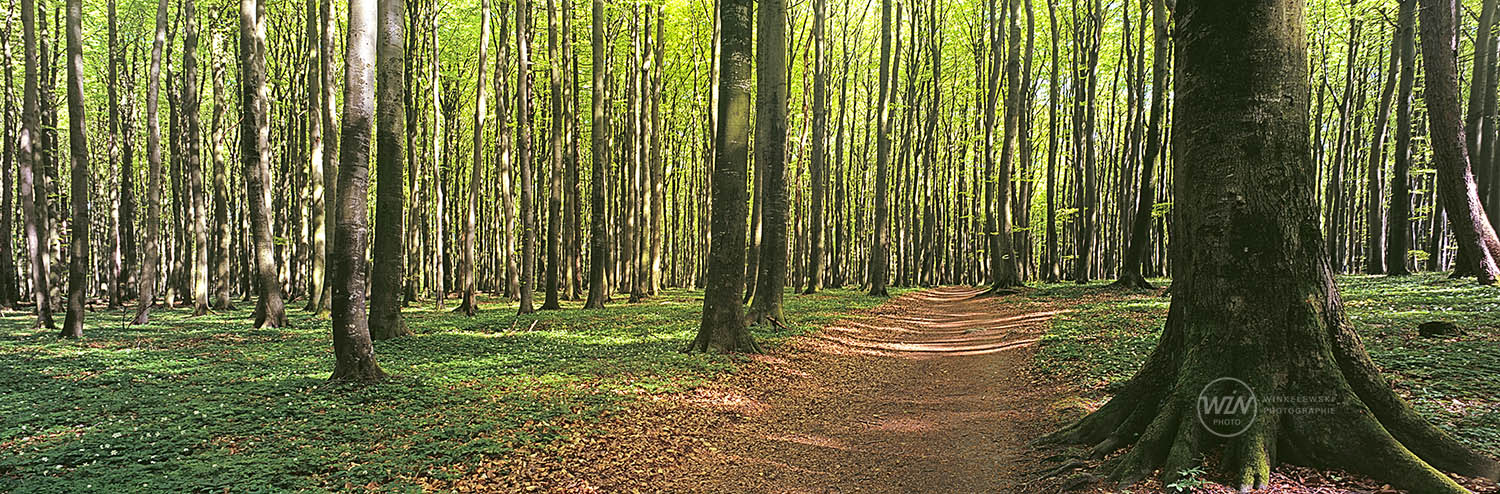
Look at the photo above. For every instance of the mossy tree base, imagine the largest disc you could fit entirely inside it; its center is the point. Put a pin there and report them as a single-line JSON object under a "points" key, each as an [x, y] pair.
{"points": [[1253, 296]]}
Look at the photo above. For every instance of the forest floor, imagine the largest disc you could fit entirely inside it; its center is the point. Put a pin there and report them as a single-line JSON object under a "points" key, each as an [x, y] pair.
{"points": [[931, 391], [942, 391]]}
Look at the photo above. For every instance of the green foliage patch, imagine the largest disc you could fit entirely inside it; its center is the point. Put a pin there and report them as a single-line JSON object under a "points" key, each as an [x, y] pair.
{"points": [[207, 404], [1102, 341]]}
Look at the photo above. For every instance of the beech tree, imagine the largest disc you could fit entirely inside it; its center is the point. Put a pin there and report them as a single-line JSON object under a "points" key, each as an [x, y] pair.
{"points": [[390, 159], [270, 309], [353, 353], [723, 328], [1243, 182], [78, 151], [770, 160]]}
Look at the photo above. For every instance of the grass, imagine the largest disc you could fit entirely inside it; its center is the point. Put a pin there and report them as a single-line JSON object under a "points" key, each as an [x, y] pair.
{"points": [[1104, 339], [209, 404]]}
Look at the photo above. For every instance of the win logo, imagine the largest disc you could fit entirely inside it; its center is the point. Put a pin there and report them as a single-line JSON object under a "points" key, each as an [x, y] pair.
{"points": [[1227, 407]]}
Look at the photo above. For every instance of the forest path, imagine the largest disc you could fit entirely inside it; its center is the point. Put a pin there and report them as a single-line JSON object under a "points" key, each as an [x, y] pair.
{"points": [[930, 392]]}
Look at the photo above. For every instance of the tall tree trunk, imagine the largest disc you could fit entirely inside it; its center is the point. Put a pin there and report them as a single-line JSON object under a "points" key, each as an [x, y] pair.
{"points": [[1052, 105], [255, 155], [149, 267], [317, 207], [1243, 186], [1400, 205], [1005, 270], [223, 235], [880, 237], [1145, 199], [503, 142], [192, 158], [598, 185], [554, 184], [470, 302], [117, 273], [523, 153], [723, 327], [328, 114], [1477, 243], [770, 159], [354, 355], [390, 161], [658, 192], [78, 149], [1375, 256], [817, 166]]}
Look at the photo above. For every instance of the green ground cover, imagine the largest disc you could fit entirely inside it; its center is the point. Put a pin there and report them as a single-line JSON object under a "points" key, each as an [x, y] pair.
{"points": [[204, 404], [1101, 342]]}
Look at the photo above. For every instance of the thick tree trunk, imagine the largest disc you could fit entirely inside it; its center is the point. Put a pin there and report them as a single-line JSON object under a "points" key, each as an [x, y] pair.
{"points": [[504, 164], [770, 159], [255, 151], [723, 327], [354, 355], [385, 321], [598, 185], [146, 296], [78, 150], [1477, 244], [1274, 327]]}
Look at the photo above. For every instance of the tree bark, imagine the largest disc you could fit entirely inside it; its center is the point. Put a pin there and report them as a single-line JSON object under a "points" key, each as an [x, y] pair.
{"points": [[146, 296], [880, 237], [1253, 296], [770, 159], [723, 327], [598, 183], [523, 154], [385, 321], [317, 207], [192, 158], [354, 355], [817, 165], [78, 150], [223, 235], [255, 151], [1400, 203], [470, 302], [1477, 243], [554, 187], [1145, 199], [1375, 257]]}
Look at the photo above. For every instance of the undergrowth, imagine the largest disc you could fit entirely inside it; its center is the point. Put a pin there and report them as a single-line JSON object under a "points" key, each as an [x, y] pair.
{"points": [[209, 404]]}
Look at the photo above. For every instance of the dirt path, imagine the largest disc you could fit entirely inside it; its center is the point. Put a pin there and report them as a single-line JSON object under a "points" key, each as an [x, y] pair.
{"points": [[930, 392]]}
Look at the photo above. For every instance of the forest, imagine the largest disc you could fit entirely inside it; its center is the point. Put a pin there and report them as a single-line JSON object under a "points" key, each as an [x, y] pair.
{"points": [[750, 246]]}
